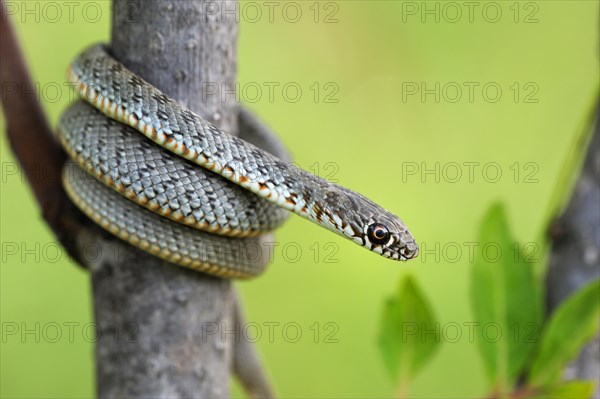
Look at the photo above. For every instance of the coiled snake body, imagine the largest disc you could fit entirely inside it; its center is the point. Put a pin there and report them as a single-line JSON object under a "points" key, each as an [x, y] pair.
{"points": [[195, 217]]}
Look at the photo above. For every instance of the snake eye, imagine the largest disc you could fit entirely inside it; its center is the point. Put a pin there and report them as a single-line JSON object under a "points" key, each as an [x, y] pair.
{"points": [[378, 233]]}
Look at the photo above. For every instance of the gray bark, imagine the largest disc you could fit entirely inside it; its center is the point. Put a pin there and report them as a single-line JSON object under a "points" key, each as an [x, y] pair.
{"points": [[156, 322], [575, 257]]}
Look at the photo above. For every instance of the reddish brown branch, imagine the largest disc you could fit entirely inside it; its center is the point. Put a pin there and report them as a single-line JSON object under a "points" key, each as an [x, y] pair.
{"points": [[30, 137], [28, 131]]}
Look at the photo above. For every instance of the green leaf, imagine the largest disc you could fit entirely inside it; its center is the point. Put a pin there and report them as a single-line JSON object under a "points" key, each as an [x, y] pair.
{"points": [[571, 326], [568, 390], [409, 335], [506, 299]]}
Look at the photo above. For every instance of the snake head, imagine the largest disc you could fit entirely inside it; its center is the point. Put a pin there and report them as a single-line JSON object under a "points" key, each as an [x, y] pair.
{"points": [[370, 225], [389, 238]]}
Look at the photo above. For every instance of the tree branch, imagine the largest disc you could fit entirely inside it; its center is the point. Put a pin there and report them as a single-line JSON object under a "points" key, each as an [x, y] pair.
{"points": [[176, 315], [575, 256], [159, 327], [32, 142]]}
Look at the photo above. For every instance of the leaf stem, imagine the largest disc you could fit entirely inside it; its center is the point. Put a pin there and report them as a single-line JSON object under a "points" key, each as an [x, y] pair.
{"points": [[403, 384]]}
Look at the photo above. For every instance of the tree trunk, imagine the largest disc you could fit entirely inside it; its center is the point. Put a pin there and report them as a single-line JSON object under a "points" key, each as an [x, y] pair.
{"points": [[160, 326]]}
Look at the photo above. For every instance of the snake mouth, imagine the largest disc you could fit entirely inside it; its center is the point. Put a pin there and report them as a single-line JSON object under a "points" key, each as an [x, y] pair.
{"points": [[402, 251], [410, 251]]}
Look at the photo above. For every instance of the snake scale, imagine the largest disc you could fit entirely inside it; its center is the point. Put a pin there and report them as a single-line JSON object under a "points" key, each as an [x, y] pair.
{"points": [[170, 193]]}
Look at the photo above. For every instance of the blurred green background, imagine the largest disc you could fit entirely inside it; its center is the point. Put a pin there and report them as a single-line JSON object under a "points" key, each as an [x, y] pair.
{"points": [[366, 55]]}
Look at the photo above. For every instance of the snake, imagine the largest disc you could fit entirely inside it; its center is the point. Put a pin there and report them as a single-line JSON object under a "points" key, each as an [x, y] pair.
{"points": [[160, 177]]}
